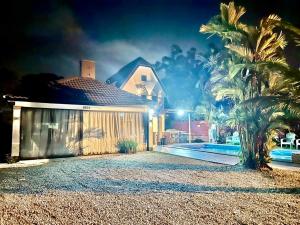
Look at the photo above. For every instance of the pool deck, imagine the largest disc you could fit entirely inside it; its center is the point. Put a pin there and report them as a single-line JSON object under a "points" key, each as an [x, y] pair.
{"points": [[194, 154], [180, 150], [285, 166]]}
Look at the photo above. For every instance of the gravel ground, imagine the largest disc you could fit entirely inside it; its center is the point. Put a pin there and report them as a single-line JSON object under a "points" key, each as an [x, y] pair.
{"points": [[147, 188]]}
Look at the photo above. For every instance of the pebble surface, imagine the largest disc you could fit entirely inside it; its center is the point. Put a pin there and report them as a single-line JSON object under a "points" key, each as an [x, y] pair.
{"points": [[147, 188]]}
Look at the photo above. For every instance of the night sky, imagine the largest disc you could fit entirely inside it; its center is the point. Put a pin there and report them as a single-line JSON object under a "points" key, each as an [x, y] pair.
{"points": [[52, 36]]}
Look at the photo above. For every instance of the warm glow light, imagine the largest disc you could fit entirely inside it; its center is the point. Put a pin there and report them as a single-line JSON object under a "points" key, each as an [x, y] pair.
{"points": [[151, 112], [139, 91]]}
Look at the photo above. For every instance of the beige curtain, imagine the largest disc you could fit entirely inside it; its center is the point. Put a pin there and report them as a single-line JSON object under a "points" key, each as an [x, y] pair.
{"points": [[56, 132], [103, 130], [50, 133]]}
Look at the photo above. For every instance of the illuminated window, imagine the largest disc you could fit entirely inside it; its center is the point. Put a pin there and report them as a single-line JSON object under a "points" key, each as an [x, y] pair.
{"points": [[144, 78], [139, 91]]}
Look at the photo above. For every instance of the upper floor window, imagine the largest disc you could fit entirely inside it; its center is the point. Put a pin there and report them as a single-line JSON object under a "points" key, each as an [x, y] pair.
{"points": [[144, 78], [154, 98]]}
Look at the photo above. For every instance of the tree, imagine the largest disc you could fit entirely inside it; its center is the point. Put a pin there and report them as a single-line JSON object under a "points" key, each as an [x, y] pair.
{"points": [[254, 74], [42, 83], [183, 77]]}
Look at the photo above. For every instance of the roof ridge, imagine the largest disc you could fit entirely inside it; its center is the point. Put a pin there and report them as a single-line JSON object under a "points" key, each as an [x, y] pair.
{"points": [[123, 74]]}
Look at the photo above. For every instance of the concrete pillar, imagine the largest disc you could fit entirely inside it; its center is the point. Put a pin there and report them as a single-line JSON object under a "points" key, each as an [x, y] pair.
{"points": [[150, 136], [15, 148], [161, 126]]}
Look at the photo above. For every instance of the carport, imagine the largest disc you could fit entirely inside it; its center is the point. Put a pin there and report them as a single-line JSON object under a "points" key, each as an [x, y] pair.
{"points": [[81, 116]]}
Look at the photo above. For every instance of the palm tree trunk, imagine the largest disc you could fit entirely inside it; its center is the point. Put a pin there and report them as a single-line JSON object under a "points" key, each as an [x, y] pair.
{"points": [[254, 151], [262, 151]]}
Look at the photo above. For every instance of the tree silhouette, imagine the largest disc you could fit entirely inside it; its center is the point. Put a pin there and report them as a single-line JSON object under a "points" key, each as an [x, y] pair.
{"points": [[183, 76], [37, 86]]}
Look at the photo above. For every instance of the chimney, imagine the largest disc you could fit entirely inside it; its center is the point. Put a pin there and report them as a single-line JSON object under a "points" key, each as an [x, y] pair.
{"points": [[87, 69]]}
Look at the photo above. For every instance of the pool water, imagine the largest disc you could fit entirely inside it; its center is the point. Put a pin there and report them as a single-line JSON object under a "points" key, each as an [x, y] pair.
{"points": [[284, 155]]}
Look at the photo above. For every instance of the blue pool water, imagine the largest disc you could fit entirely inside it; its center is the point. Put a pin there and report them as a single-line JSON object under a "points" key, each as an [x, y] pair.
{"points": [[284, 155]]}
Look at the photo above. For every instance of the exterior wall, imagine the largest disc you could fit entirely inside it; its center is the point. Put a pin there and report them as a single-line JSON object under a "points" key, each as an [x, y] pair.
{"points": [[134, 84], [154, 124], [199, 129], [157, 125], [151, 89]]}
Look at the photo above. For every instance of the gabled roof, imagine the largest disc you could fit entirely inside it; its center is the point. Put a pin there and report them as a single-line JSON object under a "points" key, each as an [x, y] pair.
{"points": [[123, 75], [85, 91]]}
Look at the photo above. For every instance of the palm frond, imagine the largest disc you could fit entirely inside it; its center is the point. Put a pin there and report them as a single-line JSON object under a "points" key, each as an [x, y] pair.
{"points": [[295, 31], [224, 11], [244, 52], [235, 13], [234, 93], [277, 60], [227, 25], [234, 70]]}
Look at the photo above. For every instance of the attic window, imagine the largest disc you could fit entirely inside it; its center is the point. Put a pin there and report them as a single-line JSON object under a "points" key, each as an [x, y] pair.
{"points": [[144, 78]]}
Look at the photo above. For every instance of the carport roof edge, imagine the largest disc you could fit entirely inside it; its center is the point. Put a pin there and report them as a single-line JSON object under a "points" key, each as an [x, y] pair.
{"points": [[114, 108]]}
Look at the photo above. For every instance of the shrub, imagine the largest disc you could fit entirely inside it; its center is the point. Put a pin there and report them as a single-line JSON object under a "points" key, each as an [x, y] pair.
{"points": [[127, 146]]}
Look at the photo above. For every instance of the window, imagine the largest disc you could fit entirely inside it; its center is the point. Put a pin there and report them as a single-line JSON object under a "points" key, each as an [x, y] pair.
{"points": [[144, 78], [154, 98]]}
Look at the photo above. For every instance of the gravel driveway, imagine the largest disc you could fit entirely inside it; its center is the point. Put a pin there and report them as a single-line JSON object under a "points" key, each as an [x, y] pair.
{"points": [[147, 188]]}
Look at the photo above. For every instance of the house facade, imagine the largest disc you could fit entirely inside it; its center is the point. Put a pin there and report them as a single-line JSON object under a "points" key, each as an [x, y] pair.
{"points": [[80, 116], [139, 78]]}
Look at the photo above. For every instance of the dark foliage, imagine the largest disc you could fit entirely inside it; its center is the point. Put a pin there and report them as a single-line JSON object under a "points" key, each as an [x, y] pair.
{"points": [[37, 86], [182, 75]]}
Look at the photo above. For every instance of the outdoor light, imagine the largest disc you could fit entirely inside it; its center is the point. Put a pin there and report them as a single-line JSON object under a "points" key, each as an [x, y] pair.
{"points": [[139, 91], [151, 112], [180, 112]]}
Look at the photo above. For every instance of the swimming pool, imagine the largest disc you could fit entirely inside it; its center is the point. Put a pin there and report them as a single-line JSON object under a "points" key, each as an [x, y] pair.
{"points": [[283, 155]]}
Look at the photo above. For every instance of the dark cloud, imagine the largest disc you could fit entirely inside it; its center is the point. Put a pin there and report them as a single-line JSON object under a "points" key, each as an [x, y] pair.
{"points": [[52, 36]]}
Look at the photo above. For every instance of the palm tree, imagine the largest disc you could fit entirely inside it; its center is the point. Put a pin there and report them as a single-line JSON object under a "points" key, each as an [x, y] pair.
{"points": [[254, 74]]}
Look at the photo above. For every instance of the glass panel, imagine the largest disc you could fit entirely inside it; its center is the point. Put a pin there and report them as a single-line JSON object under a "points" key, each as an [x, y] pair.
{"points": [[50, 133], [56, 132], [144, 78]]}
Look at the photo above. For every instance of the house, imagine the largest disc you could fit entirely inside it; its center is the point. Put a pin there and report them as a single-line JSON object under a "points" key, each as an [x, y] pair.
{"points": [[80, 116], [139, 77]]}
